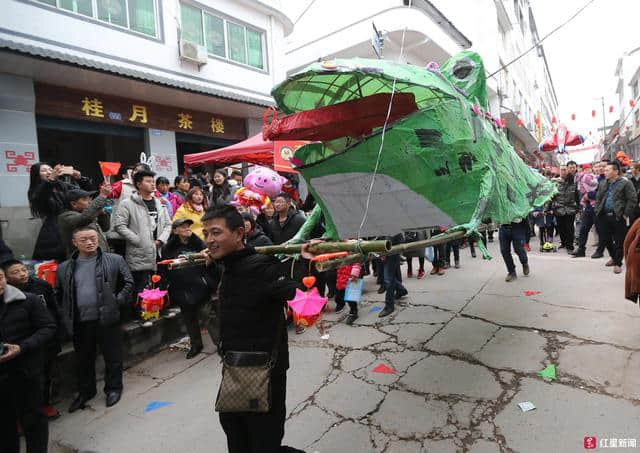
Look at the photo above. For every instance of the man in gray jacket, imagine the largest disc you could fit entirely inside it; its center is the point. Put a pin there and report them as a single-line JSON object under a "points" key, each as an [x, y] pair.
{"points": [[616, 200], [145, 226], [92, 286], [82, 211]]}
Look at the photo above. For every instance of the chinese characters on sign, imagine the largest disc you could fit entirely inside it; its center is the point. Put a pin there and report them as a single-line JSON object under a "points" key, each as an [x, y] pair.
{"points": [[138, 111], [217, 126], [69, 103], [92, 107], [185, 121]]}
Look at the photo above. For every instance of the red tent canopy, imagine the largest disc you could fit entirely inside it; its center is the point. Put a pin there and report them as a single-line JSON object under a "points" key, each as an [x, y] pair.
{"points": [[253, 150]]}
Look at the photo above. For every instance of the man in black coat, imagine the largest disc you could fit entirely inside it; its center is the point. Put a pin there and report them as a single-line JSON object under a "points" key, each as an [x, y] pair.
{"points": [[615, 202], [25, 328], [92, 286], [17, 275], [252, 297], [287, 220]]}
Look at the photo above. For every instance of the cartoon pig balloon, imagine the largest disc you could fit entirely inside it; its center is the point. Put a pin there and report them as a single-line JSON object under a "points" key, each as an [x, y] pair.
{"points": [[259, 185]]}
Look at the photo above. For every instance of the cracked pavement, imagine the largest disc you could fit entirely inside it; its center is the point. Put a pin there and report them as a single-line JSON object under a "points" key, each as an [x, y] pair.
{"points": [[465, 347]]}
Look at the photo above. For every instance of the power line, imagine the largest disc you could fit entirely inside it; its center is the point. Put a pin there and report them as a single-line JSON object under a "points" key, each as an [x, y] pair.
{"points": [[304, 12], [545, 37]]}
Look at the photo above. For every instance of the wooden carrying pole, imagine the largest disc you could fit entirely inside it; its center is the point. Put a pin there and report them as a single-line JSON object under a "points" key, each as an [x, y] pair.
{"points": [[399, 248], [329, 247]]}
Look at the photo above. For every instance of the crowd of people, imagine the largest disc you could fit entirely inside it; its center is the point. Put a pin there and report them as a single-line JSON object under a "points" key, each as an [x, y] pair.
{"points": [[108, 242], [602, 197]]}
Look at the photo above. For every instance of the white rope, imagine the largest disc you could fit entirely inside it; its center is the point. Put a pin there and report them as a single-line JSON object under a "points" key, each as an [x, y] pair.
{"points": [[384, 130]]}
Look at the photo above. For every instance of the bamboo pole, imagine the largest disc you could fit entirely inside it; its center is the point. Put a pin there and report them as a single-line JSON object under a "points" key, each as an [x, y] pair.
{"points": [[399, 248], [329, 247]]}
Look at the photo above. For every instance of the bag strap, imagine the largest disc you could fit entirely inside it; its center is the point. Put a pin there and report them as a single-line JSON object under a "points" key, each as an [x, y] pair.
{"points": [[276, 343]]}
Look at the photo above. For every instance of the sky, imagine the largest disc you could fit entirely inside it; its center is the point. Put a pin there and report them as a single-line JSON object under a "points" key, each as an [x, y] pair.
{"points": [[582, 56]]}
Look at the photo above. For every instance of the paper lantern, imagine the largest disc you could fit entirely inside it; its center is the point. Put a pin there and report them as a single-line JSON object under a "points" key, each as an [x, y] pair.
{"points": [[573, 116], [611, 109], [632, 102], [553, 120], [520, 122], [593, 113]]}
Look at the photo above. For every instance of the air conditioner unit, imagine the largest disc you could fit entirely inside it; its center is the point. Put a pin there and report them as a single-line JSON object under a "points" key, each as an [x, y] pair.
{"points": [[190, 51]]}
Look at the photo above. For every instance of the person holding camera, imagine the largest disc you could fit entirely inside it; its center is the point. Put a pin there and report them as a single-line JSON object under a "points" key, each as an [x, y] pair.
{"points": [[92, 286], [26, 327]]}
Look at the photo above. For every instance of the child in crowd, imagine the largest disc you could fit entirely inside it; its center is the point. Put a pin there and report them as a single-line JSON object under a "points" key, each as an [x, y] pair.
{"points": [[414, 236], [346, 273]]}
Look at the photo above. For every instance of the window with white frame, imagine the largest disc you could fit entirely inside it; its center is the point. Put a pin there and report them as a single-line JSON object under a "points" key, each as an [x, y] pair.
{"points": [[136, 15], [222, 37]]}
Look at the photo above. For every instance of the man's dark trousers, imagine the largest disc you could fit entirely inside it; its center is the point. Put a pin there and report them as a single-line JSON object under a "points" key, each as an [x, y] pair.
{"points": [[87, 336], [588, 220], [392, 281], [21, 399], [613, 231], [515, 233], [258, 433], [567, 230]]}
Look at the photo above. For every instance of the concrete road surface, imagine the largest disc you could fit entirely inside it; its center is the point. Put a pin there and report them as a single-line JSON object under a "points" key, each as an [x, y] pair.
{"points": [[461, 351]]}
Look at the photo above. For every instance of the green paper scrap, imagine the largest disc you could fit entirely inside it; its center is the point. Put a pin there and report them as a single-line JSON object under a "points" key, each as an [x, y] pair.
{"points": [[548, 373]]}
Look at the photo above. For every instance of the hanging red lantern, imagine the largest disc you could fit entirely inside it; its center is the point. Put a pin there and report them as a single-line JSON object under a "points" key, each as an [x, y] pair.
{"points": [[632, 102], [615, 131], [611, 109], [520, 122], [573, 117], [593, 113], [537, 120], [553, 120]]}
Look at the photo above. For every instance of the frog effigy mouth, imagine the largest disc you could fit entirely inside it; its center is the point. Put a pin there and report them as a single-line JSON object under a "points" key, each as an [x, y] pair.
{"points": [[334, 100], [355, 119]]}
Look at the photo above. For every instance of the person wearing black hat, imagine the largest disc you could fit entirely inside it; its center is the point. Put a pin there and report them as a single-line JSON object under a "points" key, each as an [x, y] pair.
{"points": [[190, 288], [81, 211]]}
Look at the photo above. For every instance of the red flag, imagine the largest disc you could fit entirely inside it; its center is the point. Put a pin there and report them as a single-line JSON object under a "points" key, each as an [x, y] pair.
{"points": [[109, 168]]}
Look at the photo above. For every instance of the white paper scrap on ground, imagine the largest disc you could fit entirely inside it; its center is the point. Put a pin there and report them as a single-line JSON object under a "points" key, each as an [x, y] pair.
{"points": [[526, 406]]}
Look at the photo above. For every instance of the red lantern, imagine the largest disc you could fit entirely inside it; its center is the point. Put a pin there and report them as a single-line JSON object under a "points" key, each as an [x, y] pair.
{"points": [[553, 120], [611, 109], [632, 102], [615, 131], [593, 113], [573, 117], [537, 120], [520, 122]]}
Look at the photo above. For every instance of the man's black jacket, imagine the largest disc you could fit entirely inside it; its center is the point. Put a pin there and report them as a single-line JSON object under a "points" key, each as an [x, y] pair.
{"points": [[114, 285], [25, 321], [283, 232], [253, 295]]}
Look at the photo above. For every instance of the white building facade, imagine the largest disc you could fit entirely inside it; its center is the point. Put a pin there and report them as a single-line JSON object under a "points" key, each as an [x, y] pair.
{"points": [[627, 127], [434, 30], [83, 81]]}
